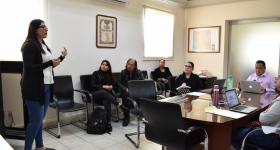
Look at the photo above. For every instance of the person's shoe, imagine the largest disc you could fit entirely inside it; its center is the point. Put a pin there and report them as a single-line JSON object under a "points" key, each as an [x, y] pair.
{"points": [[125, 122], [109, 128]]}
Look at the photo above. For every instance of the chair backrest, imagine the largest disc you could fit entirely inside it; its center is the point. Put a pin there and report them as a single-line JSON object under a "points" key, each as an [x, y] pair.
{"points": [[63, 87], [163, 121], [172, 86], [142, 89], [86, 82], [145, 74]]}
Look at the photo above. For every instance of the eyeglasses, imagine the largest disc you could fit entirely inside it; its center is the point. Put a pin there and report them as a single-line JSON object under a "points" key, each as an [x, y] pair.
{"points": [[188, 66]]}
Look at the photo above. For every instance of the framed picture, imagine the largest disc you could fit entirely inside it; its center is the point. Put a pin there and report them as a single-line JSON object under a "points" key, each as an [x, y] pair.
{"points": [[204, 39], [106, 31]]}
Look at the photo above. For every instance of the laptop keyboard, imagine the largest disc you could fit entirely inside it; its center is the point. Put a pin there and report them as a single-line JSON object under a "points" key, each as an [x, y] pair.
{"points": [[240, 107]]}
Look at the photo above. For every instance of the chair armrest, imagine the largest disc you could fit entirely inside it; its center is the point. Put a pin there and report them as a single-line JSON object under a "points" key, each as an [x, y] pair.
{"points": [[85, 94], [193, 129], [244, 140]]}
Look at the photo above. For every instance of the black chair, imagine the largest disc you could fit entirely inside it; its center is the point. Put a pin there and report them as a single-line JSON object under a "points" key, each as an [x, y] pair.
{"points": [[164, 125], [172, 85], [86, 86], [64, 101], [139, 89], [253, 146], [145, 74], [160, 86]]}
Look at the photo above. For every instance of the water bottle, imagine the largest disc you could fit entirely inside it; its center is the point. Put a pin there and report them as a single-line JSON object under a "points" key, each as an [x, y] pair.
{"points": [[215, 95], [229, 82]]}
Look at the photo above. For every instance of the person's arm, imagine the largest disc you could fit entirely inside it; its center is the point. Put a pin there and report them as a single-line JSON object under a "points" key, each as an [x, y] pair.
{"points": [[156, 75], [140, 75], [28, 54], [123, 81], [168, 72], [178, 81], [94, 82], [271, 85], [271, 114]]}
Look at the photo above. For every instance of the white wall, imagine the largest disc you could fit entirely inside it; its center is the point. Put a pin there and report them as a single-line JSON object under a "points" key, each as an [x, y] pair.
{"points": [[219, 15], [252, 42], [72, 24]]}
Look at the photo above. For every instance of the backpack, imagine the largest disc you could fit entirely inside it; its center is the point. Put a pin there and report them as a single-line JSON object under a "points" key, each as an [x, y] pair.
{"points": [[97, 122]]}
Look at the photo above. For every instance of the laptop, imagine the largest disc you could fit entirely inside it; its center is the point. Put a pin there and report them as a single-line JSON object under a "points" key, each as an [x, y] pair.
{"points": [[219, 82], [234, 104], [251, 87]]}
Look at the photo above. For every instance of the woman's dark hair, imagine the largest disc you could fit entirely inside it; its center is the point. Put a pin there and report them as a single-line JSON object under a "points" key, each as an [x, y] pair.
{"points": [[34, 25], [110, 68], [191, 64], [162, 60], [135, 63]]}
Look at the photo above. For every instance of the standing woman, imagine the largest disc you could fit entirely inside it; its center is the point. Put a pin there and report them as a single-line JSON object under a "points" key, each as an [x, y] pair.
{"points": [[37, 81]]}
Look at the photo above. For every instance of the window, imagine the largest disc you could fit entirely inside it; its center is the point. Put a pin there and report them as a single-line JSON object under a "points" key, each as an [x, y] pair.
{"points": [[158, 33], [15, 17]]}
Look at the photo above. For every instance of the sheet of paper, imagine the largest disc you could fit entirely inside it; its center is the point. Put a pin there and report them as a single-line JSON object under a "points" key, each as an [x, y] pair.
{"points": [[269, 129], [225, 113], [196, 94], [4, 145]]}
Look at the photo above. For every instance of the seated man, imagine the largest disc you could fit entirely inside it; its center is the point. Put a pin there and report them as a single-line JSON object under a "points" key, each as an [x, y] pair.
{"points": [[266, 80], [189, 78], [270, 117]]}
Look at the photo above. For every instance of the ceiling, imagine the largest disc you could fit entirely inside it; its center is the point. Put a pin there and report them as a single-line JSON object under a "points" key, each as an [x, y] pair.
{"points": [[197, 3]]}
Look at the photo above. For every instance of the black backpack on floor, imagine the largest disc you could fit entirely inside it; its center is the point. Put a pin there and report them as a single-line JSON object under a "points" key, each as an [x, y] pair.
{"points": [[97, 122]]}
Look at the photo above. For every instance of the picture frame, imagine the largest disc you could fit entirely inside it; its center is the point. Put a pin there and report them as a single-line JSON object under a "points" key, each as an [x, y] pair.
{"points": [[106, 31], [204, 39]]}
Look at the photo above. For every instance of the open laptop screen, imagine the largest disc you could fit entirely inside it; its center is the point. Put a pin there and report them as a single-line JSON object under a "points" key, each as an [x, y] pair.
{"points": [[232, 99]]}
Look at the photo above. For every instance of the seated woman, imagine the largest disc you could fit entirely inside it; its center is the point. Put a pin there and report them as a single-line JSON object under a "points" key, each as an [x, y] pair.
{"points": [[161, 75], [189, 78], [131, 72], [103, 84], [270, 117]]}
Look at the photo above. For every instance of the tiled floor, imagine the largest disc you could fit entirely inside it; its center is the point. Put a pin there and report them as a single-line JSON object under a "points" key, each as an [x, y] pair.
{"points": [[74, 138]]}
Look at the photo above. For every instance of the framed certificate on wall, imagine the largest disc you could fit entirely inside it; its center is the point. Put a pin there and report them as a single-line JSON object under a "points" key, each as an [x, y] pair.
{"points": [[106, 31]]}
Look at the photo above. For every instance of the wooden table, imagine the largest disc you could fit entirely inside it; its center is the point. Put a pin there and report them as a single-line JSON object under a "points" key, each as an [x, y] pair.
{"points": [[220, 128]]}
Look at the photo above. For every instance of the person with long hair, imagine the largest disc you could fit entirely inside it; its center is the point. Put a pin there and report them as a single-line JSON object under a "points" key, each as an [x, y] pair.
{"points": [[37, 81], [103, 84], [131, 72]]}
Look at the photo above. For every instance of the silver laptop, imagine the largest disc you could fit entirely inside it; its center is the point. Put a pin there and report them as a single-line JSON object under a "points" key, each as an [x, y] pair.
{"points": [[251, 87], [234, 104]]}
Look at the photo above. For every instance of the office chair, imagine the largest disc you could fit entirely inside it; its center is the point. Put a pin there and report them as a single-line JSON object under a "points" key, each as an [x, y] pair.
{"points": [[172, 85], [139, 89], [164, 125], [64, 101], [160, 86], [245, 145], [145, 74], [86, 86]]}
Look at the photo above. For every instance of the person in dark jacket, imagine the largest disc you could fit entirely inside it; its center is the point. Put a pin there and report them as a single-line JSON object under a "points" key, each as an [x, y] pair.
{"points": [[161, 75], [103, 84], [37, 81], [189, 78], [131, 72]]}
